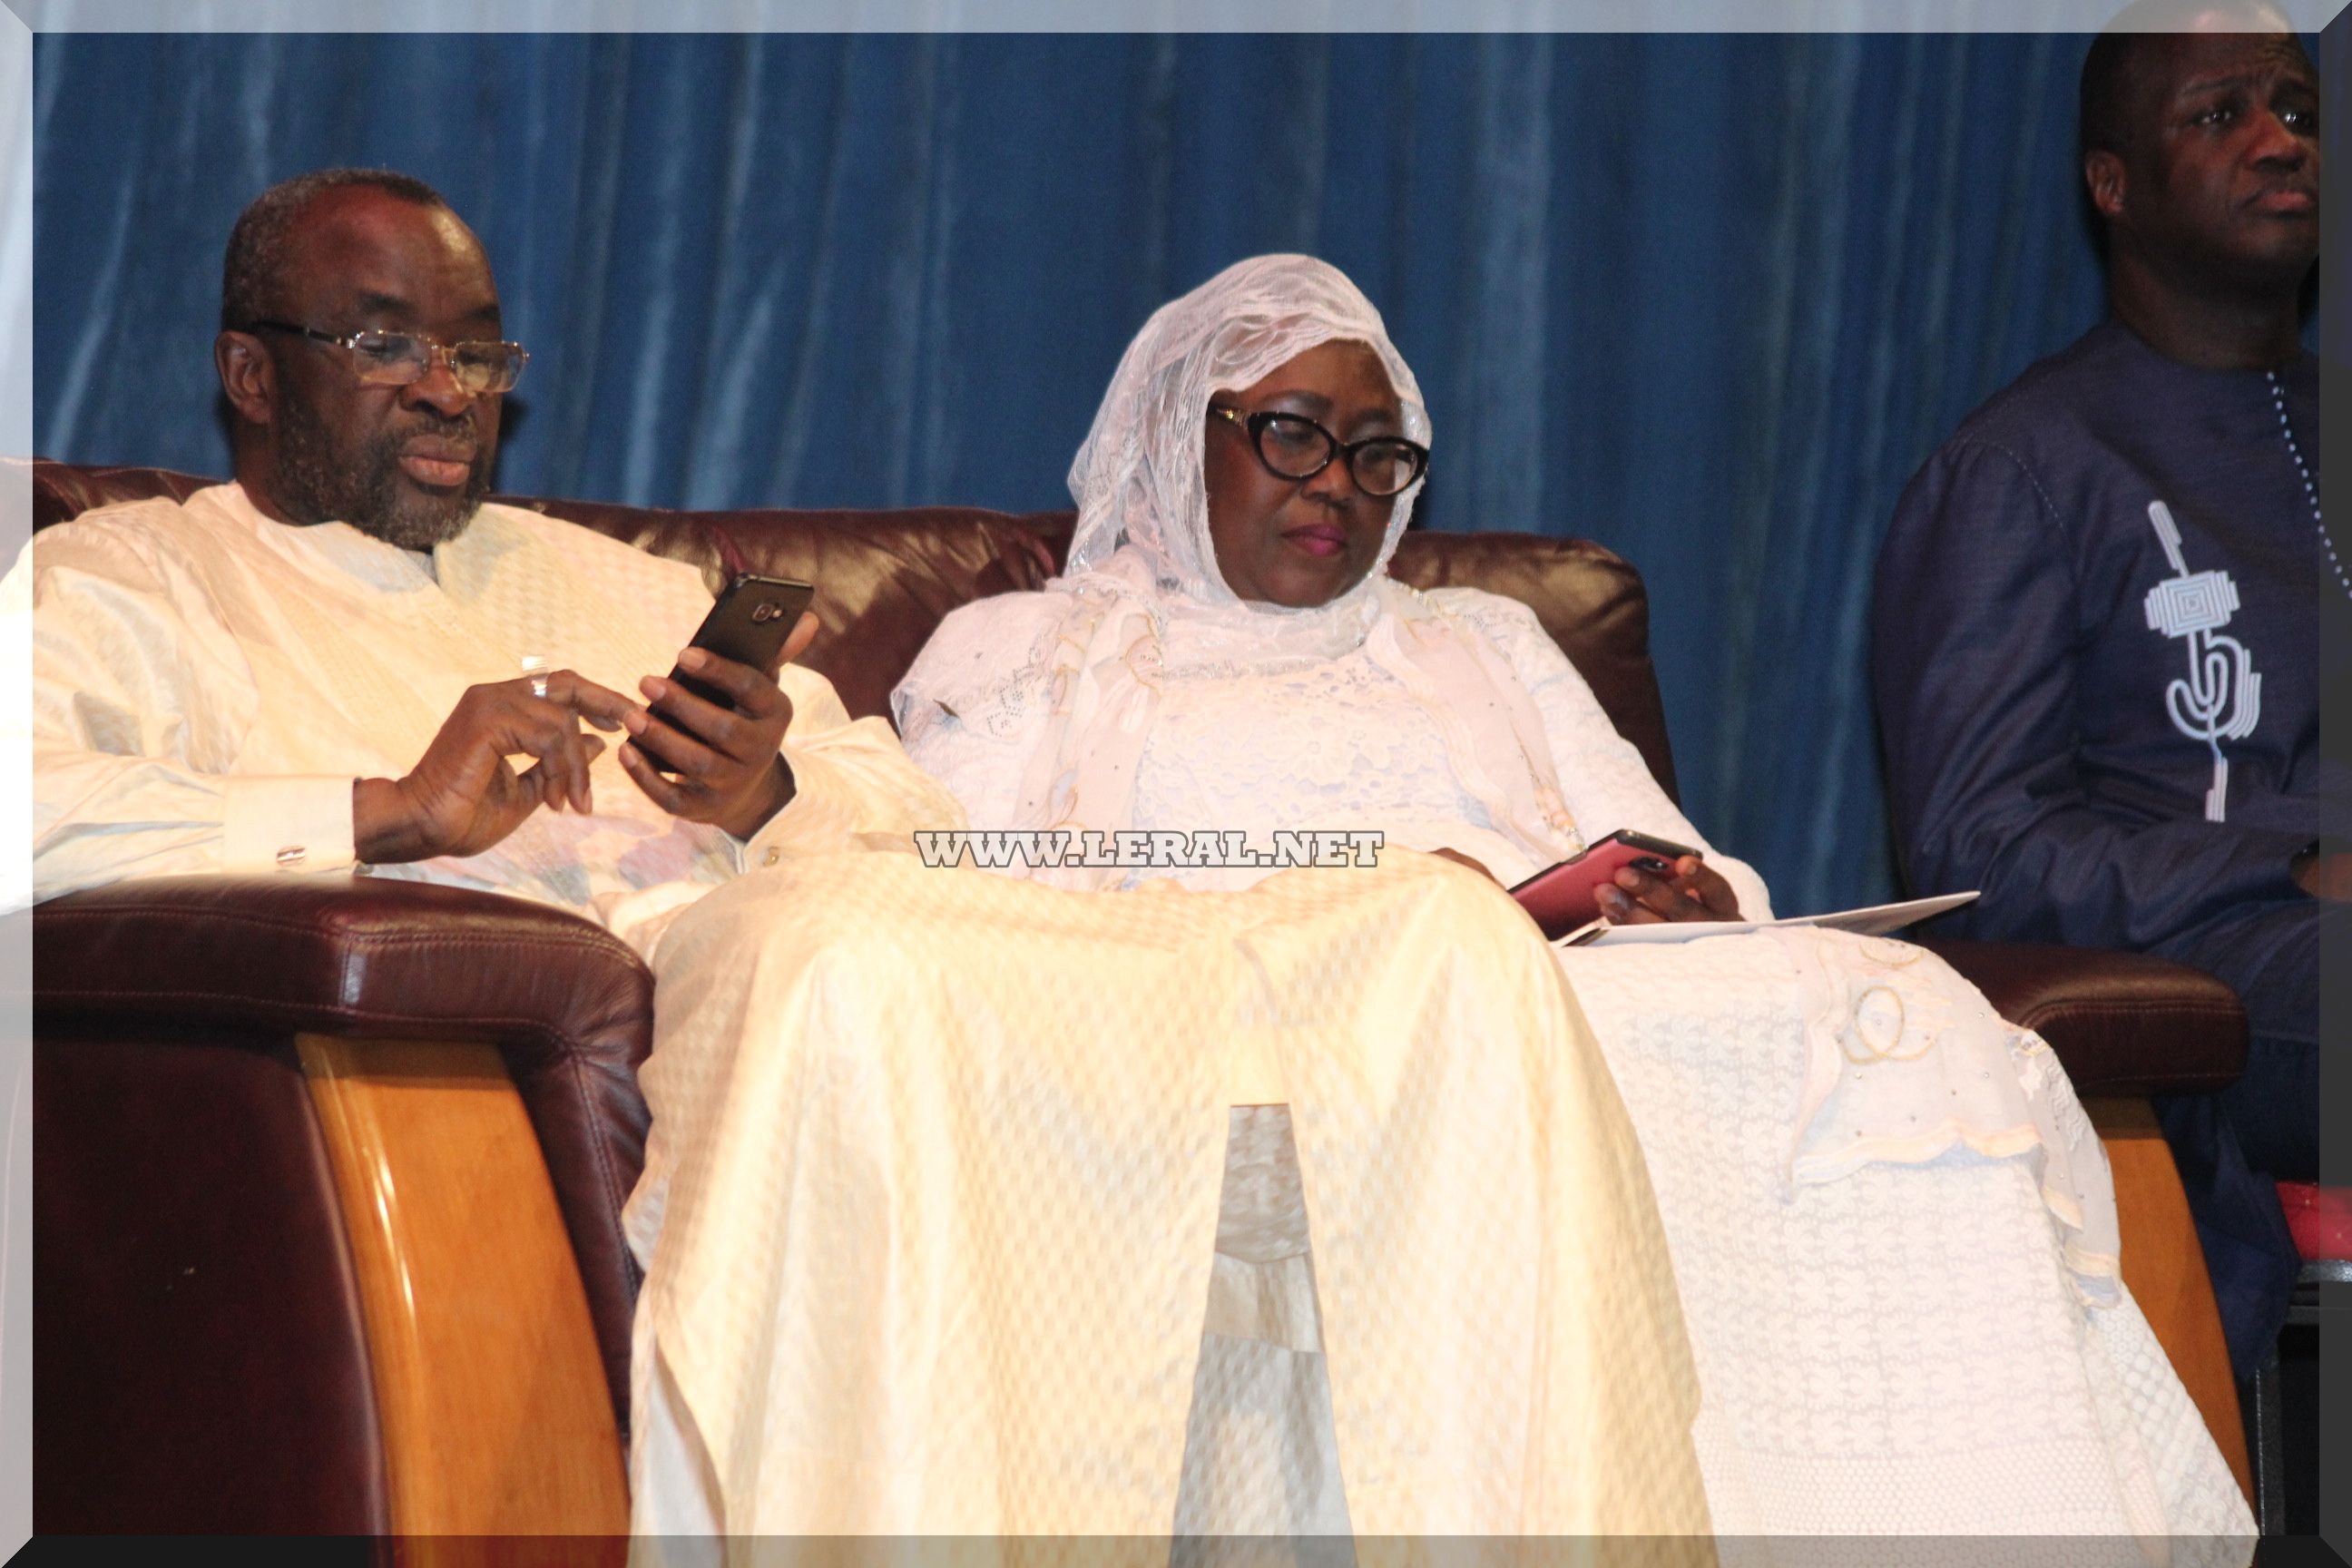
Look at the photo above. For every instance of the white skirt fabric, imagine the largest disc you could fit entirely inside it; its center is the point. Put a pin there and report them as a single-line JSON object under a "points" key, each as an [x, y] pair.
{"points": [[1893, 1231], [1894, 1238], [947, 1249], [1261, 1454], [1924, 1341]]}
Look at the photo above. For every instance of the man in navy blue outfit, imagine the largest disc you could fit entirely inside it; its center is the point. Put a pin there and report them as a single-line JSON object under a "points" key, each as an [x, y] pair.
{"points": [[2101, 604]]}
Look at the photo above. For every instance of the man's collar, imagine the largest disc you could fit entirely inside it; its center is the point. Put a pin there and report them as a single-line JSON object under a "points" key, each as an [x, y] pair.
{"points": [[335, 548]]}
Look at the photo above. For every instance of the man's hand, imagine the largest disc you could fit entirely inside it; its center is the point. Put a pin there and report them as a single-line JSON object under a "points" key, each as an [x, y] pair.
{"points": [[728, 771], [1697, 891], [464, 795], [2326, 875]]}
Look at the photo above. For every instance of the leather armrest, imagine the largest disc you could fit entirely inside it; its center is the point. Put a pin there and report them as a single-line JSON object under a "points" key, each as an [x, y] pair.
{"points": [[345, 955], [568, 1006], [2122, 1023]]}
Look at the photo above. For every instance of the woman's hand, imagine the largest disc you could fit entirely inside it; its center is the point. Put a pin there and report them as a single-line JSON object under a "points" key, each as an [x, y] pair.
{"points": [[1695, 891]]}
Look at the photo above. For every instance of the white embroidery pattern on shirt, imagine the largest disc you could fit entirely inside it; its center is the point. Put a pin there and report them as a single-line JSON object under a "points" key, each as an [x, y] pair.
{"points": [[2222, 678]]}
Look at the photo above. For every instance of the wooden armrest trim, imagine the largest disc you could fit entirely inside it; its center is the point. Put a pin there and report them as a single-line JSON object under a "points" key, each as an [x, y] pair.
{"points": [[490, 1383], [2164, 1268]]}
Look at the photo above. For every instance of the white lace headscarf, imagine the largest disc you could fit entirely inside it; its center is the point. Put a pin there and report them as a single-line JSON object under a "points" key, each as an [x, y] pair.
{"points": [[1139, 477], [1144, 596]]}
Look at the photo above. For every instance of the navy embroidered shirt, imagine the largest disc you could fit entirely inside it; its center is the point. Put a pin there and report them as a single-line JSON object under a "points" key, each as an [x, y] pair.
{"points": [[2054, 689]]}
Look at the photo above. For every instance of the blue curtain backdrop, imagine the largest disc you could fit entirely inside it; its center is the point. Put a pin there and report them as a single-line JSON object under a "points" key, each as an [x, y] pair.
{"points": [[1710, 301]]}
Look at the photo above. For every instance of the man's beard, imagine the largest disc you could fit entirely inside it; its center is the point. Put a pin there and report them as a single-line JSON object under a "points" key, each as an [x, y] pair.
{"points": [[316, 482]]}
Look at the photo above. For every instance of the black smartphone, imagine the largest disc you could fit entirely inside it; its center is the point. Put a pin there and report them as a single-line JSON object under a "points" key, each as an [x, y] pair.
{"points": [[748, 623], [1564, 897]]}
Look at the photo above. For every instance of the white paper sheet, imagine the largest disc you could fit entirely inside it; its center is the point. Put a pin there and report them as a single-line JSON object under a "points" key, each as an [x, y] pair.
{"points": [[1877, 920]]}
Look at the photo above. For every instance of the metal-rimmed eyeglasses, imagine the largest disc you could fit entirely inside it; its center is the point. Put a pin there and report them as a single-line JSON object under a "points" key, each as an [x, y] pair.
{"points": [[1293, 446], [396, 359]]}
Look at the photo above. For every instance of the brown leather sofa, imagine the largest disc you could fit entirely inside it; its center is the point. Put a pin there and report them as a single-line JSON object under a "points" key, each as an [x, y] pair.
{"points": [[330, 1172]]}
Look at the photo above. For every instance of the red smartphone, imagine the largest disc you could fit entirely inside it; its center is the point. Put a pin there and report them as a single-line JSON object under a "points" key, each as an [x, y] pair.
{"points": [[748, 623], [1564, 897]]}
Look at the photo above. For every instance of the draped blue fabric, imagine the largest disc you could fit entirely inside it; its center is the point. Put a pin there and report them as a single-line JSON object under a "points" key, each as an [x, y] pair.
{"points": [[1709, 301]]}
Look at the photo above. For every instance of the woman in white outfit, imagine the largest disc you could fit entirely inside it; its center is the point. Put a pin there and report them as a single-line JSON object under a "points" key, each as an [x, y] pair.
{"points": [[951, 1225], [1891, 1226]]}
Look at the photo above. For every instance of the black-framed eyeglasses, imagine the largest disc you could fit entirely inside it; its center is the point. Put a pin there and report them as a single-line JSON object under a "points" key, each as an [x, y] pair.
{"points": [[396, 359], [1293, 446]]}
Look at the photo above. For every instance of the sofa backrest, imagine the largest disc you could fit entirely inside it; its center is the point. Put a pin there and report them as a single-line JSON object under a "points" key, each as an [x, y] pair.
{"points": [[886, 579]]}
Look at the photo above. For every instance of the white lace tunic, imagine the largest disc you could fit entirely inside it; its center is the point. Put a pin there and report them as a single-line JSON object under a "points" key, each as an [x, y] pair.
{"points": [[1341, 744]]}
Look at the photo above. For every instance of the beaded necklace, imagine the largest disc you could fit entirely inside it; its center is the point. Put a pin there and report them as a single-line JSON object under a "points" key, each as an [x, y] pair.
{"points": [[2310, 490]]}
